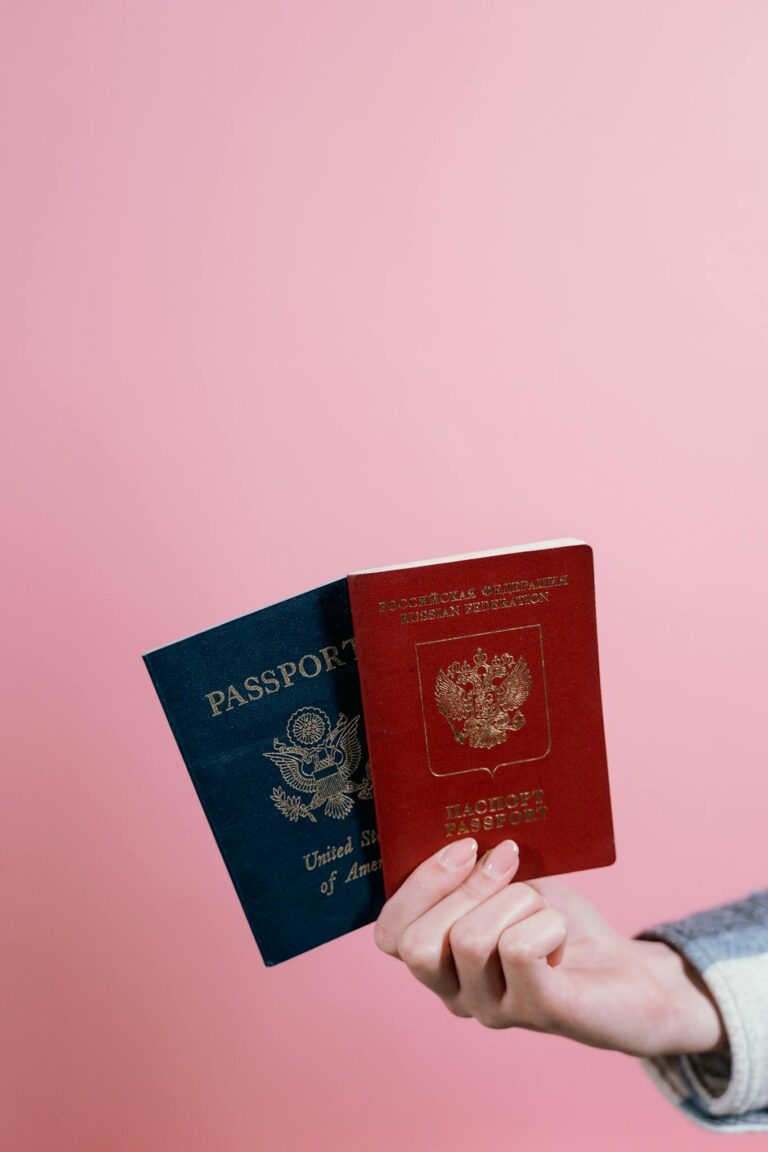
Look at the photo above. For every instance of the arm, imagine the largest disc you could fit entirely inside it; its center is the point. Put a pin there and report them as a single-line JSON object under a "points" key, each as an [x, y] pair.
{"points": [[726, 950], [539, 956]]}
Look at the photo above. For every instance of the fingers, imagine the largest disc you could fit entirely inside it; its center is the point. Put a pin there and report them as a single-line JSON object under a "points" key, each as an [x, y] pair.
{"points": [[529, 951], [487, 947], [430, 882], [474, 944], [425, 943]]}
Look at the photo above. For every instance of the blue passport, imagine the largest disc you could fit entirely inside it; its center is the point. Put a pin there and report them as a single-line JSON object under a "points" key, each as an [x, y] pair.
{"points": [[267, 713]]}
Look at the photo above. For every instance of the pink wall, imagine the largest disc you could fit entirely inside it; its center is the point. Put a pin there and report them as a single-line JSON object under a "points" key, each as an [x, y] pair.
{"points": [[294, 288]]}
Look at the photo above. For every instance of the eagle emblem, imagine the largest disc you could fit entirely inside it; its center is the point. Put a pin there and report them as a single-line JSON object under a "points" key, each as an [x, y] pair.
{"points": [[481, 701], [319, 761]]}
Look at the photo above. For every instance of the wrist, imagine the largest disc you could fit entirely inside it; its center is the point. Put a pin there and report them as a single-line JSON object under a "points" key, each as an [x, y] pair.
{"points": [[690, 1020]]}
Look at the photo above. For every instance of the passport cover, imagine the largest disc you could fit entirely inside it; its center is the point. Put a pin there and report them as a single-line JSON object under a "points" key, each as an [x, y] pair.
{"points": [[481, 690], [266, 712]]}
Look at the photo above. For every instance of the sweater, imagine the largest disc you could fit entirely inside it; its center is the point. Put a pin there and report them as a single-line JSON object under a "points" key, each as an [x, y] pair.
{"points": [[728, 946]]}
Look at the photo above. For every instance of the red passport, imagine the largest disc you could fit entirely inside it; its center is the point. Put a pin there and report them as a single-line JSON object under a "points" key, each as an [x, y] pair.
{"points": [[481, 693]]}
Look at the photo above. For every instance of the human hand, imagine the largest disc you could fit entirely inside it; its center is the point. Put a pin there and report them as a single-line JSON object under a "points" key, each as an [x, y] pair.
{"points": [[537, 955]]}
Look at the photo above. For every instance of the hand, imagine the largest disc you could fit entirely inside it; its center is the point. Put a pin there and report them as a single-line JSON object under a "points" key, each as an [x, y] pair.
{"points": [[539, 956]]}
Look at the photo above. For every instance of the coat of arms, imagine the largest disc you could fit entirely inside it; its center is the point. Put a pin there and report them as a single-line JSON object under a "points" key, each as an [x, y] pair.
{"points": [[481, 701], [319, 761]]}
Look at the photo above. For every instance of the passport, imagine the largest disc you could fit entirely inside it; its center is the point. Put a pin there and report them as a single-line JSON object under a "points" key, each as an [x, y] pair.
{"points": [[266, 711], [481, 688]]}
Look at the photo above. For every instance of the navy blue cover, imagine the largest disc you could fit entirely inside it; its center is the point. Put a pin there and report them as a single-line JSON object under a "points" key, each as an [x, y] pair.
{"points": [[283, 777]]}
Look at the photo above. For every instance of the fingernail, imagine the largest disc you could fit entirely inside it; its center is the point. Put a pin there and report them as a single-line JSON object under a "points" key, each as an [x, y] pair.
{"points": [[501, 860], [455, 855]]}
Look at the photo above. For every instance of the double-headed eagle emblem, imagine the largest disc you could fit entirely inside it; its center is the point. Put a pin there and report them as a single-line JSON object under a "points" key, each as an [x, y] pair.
{"points": [[481, 701], [319, 762]]}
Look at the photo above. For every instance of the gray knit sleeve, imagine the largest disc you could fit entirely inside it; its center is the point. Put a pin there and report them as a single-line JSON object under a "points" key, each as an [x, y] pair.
{"points": [[728, 947]]}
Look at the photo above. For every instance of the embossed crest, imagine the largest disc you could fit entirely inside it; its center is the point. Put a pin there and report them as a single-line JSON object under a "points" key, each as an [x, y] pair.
{"points": [[319, 761], [481, 701], [484, 700]]}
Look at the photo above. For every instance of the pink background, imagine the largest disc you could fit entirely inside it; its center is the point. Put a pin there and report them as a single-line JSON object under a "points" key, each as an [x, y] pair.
{"points": [[294, 288]]}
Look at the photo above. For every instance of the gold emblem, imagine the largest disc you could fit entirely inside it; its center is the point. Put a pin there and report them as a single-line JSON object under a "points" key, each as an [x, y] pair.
{"points": [[319, 761], [481, 701]]}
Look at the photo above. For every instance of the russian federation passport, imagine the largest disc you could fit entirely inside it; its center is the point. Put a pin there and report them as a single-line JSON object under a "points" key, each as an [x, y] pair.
{"points": [[266, 711], [481, 689]]}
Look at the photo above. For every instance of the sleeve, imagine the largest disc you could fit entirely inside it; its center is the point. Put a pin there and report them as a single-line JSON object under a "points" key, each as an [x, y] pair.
{"points": [[728, 947]]}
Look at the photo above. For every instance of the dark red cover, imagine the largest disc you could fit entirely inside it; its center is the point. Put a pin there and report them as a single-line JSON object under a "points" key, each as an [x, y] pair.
{"points": [[481, 692]]}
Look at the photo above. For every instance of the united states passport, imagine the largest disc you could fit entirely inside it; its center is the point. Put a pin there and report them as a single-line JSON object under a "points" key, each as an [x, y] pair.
{"points": [[267, 714]]}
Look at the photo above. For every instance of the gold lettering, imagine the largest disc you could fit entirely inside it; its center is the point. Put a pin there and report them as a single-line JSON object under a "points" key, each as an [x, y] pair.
{"points": [[251, 685], [215, 699], [233, 694], [494, 812], [317, 666], [287, 675], [269, 681], [439, 605], [317, 859], [358, 870], [331, 656]]}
